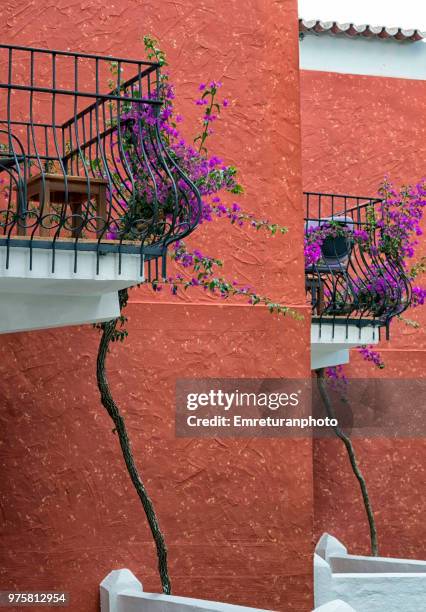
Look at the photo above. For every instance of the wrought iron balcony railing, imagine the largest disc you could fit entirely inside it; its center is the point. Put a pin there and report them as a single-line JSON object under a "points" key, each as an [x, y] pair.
{"points": [[351, 279], [83, 164]]}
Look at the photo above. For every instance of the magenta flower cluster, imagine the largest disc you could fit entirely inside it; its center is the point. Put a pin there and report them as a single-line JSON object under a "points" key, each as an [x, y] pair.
{"points": [[418, 296], [390, 233], [401, 213], [209, 173], [336, 376], [369, 354]]}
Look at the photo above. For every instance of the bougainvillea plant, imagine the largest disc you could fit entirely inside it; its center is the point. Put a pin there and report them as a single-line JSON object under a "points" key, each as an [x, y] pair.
{"points": [[387, 243], [390, 233], [218, 185], [215, 180]]}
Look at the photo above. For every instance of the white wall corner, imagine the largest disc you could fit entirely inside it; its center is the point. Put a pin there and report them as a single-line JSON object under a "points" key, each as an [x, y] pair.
{"points": [[329, 545], [114, 584], [323, 580], [368, 584]]}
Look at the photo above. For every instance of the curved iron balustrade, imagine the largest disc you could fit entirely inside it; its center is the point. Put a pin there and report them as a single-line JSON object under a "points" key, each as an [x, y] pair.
{"points": [[352, 284], [83, 162]]}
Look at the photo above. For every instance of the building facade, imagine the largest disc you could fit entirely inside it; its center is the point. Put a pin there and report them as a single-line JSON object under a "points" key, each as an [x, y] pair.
{"points": [[235, 514], [240, 516]]}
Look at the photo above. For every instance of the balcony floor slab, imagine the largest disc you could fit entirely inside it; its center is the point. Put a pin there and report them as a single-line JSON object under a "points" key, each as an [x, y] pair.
{"points": [[40, 277], [330, 344]]}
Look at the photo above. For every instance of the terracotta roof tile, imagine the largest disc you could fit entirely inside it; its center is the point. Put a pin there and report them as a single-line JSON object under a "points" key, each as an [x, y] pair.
{"points": [[334, 28]]}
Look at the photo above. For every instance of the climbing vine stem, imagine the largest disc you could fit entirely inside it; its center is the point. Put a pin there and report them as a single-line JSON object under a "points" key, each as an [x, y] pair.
{"points": [[111, 332], [322, 388]]}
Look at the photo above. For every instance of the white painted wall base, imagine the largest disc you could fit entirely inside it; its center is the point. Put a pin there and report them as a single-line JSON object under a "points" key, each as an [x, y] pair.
{"points": [[330, 344], [368, 584], [121, 591]]}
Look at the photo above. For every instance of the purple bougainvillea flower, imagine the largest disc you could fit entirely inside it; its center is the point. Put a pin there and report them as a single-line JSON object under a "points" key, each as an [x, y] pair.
{"points": [[418, 296], [371, 355]]}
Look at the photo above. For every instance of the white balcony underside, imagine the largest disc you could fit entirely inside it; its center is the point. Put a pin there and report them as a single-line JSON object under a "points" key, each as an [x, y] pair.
{"points": [[330, 345], [27, 312], [40, 299]]}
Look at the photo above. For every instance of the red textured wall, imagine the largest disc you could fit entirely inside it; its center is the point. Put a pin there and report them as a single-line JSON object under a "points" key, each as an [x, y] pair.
{"points": [[237, 514], [356, 129]]}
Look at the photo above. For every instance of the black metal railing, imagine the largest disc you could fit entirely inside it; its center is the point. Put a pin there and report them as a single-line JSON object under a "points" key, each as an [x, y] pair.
{"points": [[83, 162], [351, 278]]}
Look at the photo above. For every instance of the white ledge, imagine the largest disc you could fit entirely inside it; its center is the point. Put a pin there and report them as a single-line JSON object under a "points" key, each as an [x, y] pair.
{"points": [[121, 591], [368, 584], [66, 279]]}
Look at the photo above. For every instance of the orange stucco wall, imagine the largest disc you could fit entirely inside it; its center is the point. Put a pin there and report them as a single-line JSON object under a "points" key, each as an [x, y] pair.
{"points": [[356, 129], [237, 514]]}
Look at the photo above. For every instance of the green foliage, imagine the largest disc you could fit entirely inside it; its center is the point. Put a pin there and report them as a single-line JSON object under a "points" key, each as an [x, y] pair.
{"points": [[418, 268], [153, 51]]}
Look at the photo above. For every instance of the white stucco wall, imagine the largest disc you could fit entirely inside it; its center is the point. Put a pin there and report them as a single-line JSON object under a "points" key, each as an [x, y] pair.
{"points": [[121, 591], [367, 584], [374, 57]]}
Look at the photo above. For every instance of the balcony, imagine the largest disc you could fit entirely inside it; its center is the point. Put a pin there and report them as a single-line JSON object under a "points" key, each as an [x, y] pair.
{"points": [[355, 285], [90, 194]]}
